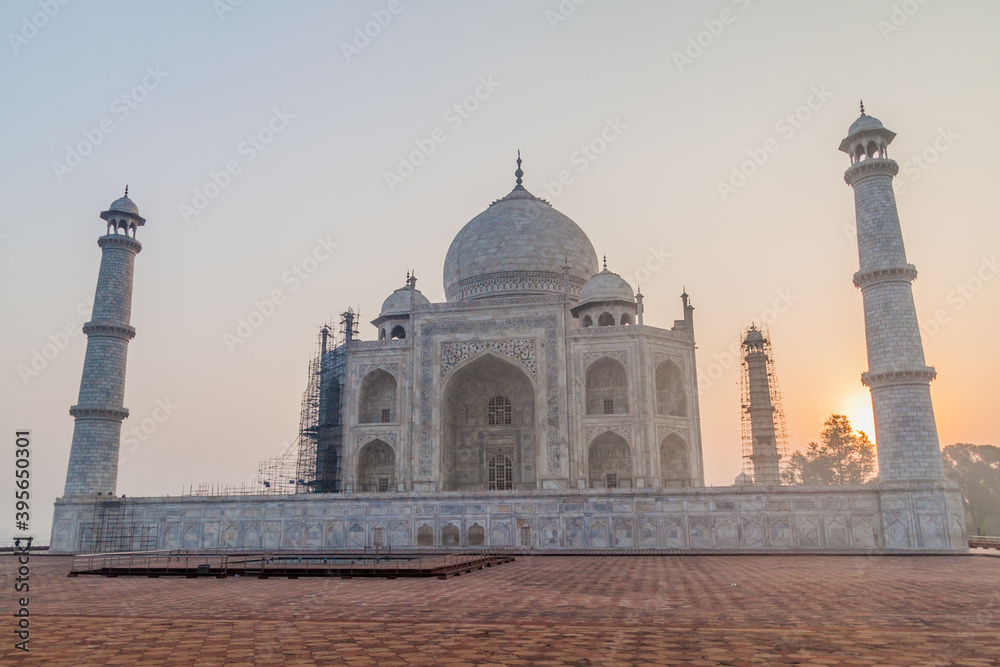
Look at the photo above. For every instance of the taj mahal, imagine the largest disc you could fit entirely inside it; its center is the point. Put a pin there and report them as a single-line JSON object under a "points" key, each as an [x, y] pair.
{"points": [[533, 409]]}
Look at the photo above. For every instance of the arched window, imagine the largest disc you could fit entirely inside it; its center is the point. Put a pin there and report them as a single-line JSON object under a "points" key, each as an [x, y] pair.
{"points": [[378, 398], [674, 462], [670, 396], [500, 472], [606, 320], [398, 332], [587, 321], [425, 536], [450, 536], [499, 412], [333, 403], [381, 333], [476, 535], [626, 319], [376, 468], [609, 459], [607, 388]]}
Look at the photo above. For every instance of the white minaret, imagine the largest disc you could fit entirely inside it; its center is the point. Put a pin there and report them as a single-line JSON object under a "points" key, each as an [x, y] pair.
{"points": [[93, 458], [905, 432], [764, 452]]}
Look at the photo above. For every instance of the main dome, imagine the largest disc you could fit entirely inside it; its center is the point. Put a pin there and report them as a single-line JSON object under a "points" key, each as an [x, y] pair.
{"points": [[518, 246]]}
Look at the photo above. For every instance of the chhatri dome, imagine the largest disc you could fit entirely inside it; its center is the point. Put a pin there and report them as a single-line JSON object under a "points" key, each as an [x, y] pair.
{"points": [[401, 300], [606, 286], [518, 246]]}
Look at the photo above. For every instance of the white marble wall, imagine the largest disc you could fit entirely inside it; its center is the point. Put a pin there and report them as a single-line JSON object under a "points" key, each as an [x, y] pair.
{"points": [[906, 517]]}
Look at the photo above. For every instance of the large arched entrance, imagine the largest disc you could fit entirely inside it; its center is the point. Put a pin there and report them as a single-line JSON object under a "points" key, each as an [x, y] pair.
{"points": [[488, 439]]}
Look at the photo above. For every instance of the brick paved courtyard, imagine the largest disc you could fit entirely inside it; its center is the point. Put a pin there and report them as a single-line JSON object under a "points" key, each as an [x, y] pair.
{"points": [[540, 610]]}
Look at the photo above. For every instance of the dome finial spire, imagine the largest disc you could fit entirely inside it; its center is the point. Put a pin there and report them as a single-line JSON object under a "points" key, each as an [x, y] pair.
{"points": [[605, 262], [862, 107], [518, 173], [126, 189]]}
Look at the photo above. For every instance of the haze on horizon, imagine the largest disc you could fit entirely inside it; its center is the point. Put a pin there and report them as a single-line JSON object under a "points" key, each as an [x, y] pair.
{"points": [[170, 97]]}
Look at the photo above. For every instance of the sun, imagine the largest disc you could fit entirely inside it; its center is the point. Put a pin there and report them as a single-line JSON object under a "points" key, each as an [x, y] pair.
{"points": [[858, 408]]}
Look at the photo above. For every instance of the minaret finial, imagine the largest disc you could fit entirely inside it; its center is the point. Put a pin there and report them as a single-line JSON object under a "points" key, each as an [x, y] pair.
{"points": [[126, 190], [519, 173], [862, 107], [605, 262]]}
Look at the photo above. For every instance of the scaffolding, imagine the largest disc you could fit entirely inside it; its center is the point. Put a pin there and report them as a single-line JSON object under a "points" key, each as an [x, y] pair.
{"points": [[746, 426], [321, 432], [115, 529], [312, 462], [279, 475]]}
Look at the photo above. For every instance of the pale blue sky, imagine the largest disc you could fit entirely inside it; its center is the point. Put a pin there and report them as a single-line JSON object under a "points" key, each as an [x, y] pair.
{"points": [[344, 125]]}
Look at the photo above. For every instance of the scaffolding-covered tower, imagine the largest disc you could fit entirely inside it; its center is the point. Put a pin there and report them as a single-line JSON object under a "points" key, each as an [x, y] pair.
{"points": [[321, 430], [763, 422]]}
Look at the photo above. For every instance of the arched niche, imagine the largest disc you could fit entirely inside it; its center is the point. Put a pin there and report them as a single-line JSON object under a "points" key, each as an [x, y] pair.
{"points": [[675, 462], [609, 462], [671, 398], [376, 468], [607, 388], [377, 398]]}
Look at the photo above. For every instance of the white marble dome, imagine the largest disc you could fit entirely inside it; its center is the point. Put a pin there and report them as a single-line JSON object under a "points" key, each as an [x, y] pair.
{"points": [[518, 246], [399, 301], [606, 286], [124, 204], [864, 122]]}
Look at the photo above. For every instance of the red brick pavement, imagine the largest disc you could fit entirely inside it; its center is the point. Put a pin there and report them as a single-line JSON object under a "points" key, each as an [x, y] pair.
{"points": [[540, 610]]}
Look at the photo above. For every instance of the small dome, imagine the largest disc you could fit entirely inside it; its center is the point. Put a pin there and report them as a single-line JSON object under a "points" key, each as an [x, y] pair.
{"points": [[399, 301], [606, 286], [865, 122], [125, 205], [744, 479], [754, 336]]}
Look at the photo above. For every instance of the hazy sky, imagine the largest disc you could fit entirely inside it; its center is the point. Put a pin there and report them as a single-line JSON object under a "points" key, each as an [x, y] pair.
{"points": [[309, 114]]}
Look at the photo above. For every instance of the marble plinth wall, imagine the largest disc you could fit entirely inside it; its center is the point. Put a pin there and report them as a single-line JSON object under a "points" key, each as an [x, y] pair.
{"points": [[902, 517]]}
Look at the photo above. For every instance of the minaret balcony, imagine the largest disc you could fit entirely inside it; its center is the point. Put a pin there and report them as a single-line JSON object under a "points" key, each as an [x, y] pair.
{"points": [[871, 167], [875, 380], [894, 274]]}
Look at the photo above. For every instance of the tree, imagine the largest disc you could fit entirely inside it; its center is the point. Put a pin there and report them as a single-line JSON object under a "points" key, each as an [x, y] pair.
{"points": [[976, 468], [843, 456]]}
